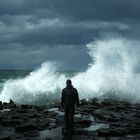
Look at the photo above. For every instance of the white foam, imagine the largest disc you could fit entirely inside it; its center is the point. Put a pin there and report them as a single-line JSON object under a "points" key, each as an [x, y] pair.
{"points": [[42, 85], [115, 71]]}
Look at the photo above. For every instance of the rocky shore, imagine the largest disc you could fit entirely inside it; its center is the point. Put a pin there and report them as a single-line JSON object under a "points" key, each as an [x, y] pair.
{"points": [[94, 120]]}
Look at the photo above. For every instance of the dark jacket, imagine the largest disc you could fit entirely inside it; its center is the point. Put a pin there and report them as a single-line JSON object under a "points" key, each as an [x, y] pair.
{"points": [[69, 96]]}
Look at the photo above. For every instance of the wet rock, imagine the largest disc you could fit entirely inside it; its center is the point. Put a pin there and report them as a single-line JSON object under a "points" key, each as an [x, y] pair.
{"points": [[11, 104], [114, 138], [84, 102], [23, 128], [130, 137], [51, 114], [113, 119], [10, 122], [122, 119], [14, 117], [104, 132], [87, 109], [94, 101], [5, 137], [45, 111], [1, 106], [5, 105], [31, 133], [81, 132], [26, 107], [47, 139], [91, 107], [99, 114], [83, 123], [120, 131], [1, 117], [117, 124], [11, 101], [51, 123], [99, 138], [106, 102], [22, 110]]}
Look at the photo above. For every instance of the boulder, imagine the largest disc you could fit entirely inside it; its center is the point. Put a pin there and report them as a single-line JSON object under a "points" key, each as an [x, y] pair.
{"points": [[83, 123], [45, 111], [31, 133], [5, 137], [1, 106], [11, 104], [26, 107], [5, 105], [94, 101], [10, 122], [84, 102], [119, 131], [26, 127], [11, 101], [104, 132]]}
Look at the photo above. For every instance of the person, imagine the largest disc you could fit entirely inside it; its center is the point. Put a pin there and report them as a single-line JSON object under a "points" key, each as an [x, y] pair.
{"points": [[69, 98]]}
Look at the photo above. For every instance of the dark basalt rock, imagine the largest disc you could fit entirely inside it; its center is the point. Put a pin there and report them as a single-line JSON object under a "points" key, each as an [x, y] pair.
{"points": [[32, 133], [22, 110], [5, 105], [26, 107], [5, 137], [26, 127], [1, 106], [83, 123], [45, 111], [84, 102], [122, 119], [11, 101], [119, 131], [10, 122], [11, 104], [104, 132], [94, 101]]}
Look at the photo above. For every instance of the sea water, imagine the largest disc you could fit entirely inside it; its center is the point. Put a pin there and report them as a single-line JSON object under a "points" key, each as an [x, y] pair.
{"points": [[114, 72]]}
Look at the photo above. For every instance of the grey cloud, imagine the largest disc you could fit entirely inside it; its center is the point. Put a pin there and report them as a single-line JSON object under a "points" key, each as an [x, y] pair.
{"points": [[26, 25], [32, 58], [28, 28], [77, 10], [54, 31], [98, 9]]}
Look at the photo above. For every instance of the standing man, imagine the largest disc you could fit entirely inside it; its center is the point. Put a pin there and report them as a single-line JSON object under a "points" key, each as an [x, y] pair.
{"points": [[68, 100]]}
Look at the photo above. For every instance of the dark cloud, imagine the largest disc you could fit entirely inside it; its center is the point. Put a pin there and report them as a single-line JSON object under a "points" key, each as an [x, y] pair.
{"points": [[32, 58], [32, 25], [98, 9]]}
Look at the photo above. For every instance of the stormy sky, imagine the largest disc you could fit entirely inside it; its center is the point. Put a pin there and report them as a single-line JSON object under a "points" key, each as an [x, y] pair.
{"points": [[36, 31]]}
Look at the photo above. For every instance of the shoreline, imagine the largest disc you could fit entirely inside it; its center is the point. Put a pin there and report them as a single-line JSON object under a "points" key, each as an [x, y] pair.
{"points": [[108, 119]]}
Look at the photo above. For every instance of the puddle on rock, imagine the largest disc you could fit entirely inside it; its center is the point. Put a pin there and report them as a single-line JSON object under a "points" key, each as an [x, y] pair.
{"points": [[56, 110], [95, 127], [5, 110], [53, 134]]}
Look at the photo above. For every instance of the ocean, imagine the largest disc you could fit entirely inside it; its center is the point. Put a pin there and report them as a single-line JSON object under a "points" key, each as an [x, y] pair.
{"points": [[114, 72], [11, 74]]}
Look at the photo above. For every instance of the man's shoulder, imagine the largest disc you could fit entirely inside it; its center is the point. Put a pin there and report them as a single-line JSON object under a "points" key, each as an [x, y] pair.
{"points": [[74, 89], [64, 89]]}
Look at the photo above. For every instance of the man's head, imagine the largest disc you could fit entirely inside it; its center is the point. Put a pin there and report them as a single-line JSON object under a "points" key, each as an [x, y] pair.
{"points": [[68, 82]]}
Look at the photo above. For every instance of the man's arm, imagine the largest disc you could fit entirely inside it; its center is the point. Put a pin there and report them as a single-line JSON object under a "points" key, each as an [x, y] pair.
{"points": [[77, 98], [62, 98]]}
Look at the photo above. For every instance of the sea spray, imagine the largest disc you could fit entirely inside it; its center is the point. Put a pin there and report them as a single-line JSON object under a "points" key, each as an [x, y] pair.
{"points": [[42, 86], [114, 72]]}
